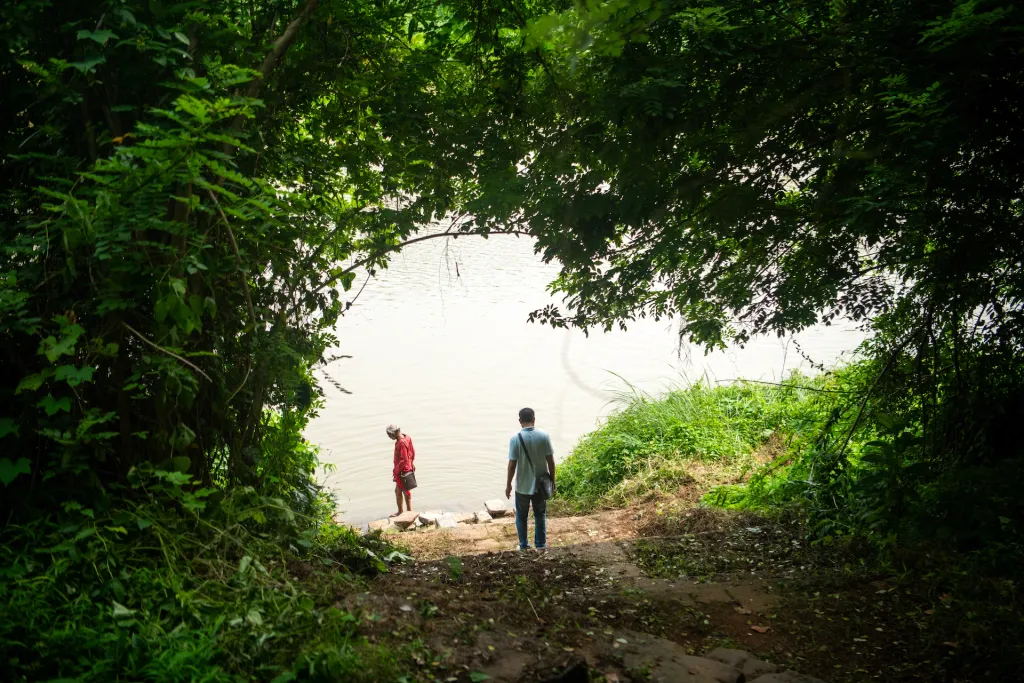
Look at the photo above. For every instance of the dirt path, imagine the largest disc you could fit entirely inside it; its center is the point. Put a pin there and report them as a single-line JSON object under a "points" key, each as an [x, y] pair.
{"points": [[635, 595]]}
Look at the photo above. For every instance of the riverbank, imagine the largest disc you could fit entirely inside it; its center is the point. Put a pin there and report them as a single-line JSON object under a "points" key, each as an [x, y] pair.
{"points": [[634, 594], [699, 509]]}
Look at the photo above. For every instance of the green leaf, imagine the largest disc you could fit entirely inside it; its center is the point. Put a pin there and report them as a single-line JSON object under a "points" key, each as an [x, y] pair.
{"points": [[52, 405], [165, 307], [243, 565], [120, 611], [54, 349], [143, 523], [181, 463], [30, 383], [9, 471], [7, 426], [89, 64], [175, 478], [182, 38], [101, 36], [254, 617], [73, 375], [182, 437], [477, 677]]}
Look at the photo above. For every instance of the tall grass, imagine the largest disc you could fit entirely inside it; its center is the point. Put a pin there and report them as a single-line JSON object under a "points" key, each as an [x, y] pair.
{"points": [[651, 443], [168, 583]]}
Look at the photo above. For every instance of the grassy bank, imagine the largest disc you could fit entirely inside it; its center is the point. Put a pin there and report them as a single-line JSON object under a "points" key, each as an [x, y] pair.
{"points": [[718, 433], [869, 473], [170, 582]]}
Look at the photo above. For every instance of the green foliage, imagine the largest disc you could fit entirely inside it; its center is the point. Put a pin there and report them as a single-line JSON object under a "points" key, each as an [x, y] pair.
{"points": [[186, 191], [181, 584], [649, 443], [756, 167], [909, 448]]}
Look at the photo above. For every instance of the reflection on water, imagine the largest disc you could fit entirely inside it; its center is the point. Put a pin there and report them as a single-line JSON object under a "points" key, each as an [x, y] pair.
{"points": [[439, 345]]}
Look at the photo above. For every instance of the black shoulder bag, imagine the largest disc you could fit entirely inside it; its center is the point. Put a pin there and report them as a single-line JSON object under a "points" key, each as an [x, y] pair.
{"points": [[545, 484]]}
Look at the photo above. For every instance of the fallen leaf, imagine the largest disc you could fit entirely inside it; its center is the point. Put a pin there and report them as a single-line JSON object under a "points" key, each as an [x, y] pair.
{"points": [[929, 611], [760, 629], [741, 609], [951, 644], [612, 677]]}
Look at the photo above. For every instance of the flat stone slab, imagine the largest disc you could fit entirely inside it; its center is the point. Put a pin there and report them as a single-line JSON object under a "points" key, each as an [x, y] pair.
{"points": [[405, 520], [496, 507], [786, 677], [683, 669], [482, 517], [461, 517], [430, 516], [751, 666], [380, 524], [445, 522]]}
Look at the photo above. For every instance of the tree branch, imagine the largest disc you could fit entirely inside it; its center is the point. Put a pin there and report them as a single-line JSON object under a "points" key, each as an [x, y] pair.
{"points": [[281, 45], [414, 240], [169, 353]]}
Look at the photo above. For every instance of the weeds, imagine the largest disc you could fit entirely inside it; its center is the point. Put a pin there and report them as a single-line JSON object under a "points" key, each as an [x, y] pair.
{"points": [[651, 444], [154, 589]]}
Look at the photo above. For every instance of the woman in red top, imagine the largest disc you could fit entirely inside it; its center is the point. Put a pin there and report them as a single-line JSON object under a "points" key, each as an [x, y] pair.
{"points": [[405, 456]]}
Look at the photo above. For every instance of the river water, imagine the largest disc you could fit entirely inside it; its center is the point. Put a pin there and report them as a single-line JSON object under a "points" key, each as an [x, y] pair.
{"points": [[440, 346]]}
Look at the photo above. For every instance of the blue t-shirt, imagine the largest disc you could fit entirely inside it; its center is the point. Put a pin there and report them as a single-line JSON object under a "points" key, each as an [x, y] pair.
{"points": [[538, 445]]}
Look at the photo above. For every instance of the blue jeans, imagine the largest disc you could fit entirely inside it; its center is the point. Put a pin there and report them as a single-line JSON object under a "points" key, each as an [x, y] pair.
{"points": [[540, 506]]}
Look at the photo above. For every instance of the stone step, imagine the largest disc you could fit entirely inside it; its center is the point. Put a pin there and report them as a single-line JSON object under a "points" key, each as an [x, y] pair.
{"points": [[405, 520], [750, 666], [496, 507], [445, 522], [482, 517], [430, 516]]}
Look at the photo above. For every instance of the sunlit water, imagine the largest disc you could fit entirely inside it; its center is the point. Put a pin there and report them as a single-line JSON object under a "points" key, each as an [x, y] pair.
{"points": [[440, 346]]}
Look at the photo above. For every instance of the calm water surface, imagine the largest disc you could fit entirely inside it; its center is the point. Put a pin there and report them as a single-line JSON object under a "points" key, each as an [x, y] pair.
{"points": [[440, 346]]}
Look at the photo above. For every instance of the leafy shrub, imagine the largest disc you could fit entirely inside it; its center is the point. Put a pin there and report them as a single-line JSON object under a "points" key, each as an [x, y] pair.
{"points": [[648, 443], [169, 582]]}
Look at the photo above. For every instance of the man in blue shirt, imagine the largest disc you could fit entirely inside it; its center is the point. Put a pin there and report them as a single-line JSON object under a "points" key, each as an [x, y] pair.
{"points": [[537, 459]]}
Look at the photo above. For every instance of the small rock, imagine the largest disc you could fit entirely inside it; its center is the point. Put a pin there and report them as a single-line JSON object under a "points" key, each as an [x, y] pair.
{"points": [[380, 524], [708, 668], [482, 517], [430, 516], [786, 677], [743, 661], [496, 507], [461, 517], [405, 520], [445, 522]]}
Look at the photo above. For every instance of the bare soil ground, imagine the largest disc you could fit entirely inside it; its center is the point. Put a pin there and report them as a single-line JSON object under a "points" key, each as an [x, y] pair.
{"points": [[626, 589]]}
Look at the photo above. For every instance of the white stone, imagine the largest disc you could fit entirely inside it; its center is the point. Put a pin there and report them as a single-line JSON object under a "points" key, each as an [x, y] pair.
{"points": [[405, 520], [445, 522], [496, 507], [751, 666], [430, 516], [482, 517], [380, 524], [461, 517]]}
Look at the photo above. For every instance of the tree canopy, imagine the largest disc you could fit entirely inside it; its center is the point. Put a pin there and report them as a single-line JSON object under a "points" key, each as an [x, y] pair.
{"points": [[189, 189], [186, 188]]}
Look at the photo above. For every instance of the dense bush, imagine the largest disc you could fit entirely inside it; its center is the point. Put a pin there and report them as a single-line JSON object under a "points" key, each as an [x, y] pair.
{"points": [[649, 442]]}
